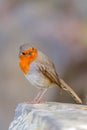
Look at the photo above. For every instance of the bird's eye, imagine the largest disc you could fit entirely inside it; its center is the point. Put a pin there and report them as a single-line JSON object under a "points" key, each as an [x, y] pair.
{"points": [[23, 53], [30, 53]]}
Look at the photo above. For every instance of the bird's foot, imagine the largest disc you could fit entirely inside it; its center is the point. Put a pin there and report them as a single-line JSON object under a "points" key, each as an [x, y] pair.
{"points": [[35, 102]]}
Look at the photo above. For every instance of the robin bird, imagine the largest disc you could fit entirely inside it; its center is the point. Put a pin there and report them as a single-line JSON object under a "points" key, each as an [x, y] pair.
{"points": [[41, 72]]}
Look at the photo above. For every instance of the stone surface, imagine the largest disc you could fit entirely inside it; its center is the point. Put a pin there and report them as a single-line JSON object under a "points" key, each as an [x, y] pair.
{"points": [[50, 116]]}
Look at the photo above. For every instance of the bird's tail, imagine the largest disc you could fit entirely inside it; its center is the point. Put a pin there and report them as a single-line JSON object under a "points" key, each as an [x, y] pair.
{"points": [[65, 87]]}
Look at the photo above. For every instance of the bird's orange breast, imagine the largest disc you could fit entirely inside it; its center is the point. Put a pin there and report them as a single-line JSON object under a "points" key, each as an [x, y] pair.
{"points": [[24, 64], [26, 60]]}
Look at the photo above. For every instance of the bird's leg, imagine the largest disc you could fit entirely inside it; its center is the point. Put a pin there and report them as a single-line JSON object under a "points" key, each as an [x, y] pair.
{"points": [[38, 98], [40, 95]]}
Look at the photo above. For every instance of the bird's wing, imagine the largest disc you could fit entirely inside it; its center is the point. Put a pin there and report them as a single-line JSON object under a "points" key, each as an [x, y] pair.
{"points": [[52, 75], [47, 68]]}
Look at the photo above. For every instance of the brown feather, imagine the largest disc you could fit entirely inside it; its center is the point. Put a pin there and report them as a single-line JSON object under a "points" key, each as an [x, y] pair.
{"points": [[47, 68], [70, 91]]}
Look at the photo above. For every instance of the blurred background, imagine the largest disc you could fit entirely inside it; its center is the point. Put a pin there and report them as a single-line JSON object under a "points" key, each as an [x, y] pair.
{"points": [[56, 27]]}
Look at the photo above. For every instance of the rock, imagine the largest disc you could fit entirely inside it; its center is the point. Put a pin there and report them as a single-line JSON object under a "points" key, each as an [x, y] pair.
{"points": [[50, 116]]}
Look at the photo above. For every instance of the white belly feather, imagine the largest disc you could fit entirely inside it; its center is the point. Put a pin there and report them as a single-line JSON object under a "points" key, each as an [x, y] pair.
{"points": [[36, 78]]}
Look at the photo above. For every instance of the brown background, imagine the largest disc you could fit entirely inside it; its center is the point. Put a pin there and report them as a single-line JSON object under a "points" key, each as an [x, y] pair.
{"points": [[59, 29]]}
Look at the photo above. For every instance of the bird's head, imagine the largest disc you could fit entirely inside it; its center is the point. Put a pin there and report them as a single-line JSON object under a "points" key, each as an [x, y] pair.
{"points": [[27, 56]]}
